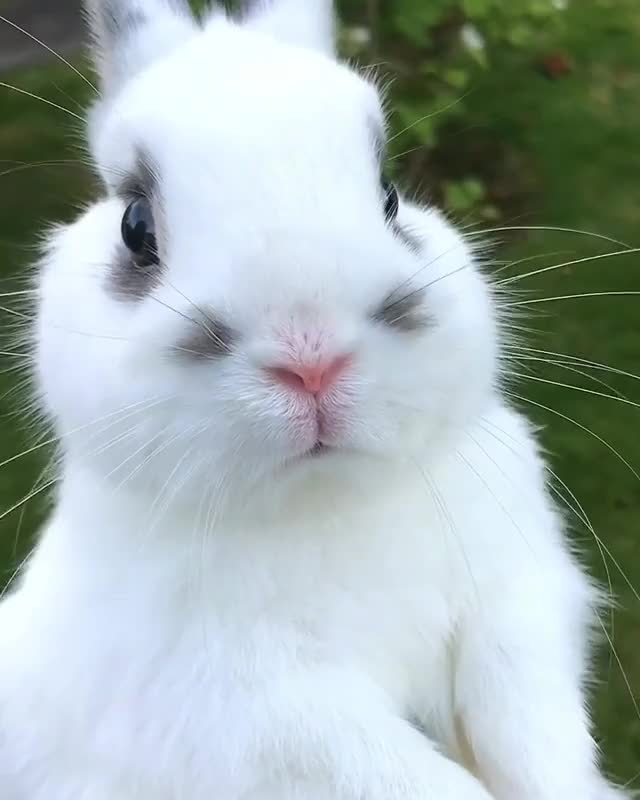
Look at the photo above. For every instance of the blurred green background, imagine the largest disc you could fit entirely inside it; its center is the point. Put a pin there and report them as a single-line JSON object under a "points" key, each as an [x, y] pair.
{"points": [[515, 115]]}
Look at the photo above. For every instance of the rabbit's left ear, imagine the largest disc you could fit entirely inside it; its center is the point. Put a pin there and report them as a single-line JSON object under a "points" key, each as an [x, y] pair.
{"points": [[129, 34], [308, 23]]}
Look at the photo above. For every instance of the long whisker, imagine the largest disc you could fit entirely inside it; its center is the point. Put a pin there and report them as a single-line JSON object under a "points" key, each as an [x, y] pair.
{"points": [[414, 275], [19, 166], [599, 541], [16, 572], [424, 288], [45, 471], [570, 367], [52, 51], [199, 323], [631, 781], [586, 259], [398, 156], [625, 677], [42, 100], [211, 333], [578, 360], [12, 368], [535, 257], [145, 404], [572, 297], [426, 117], [500, 504], [135, 453], [557, 413], [576, 388], [578, 511], [163, 489], [115, 440], [109, 337], [580, 514], [28, 497], [551, 229], [436, 496], [162, 447], [12, 312], [582, 517]]}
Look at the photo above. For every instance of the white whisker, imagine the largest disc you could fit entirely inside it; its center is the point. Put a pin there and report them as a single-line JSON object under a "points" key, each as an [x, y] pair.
{"points": [[573, 297], [578, 360], [55, 439], [42, 100], [549, 229], [570, 367], [28, 497], [577, 424], [441, 506], [425, 118], [498, 502], [50, 50], [574, 262], [575, 388]]}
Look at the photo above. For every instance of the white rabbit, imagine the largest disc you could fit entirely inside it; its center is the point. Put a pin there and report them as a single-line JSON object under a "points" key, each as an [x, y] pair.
{"points": [[302, 547]]}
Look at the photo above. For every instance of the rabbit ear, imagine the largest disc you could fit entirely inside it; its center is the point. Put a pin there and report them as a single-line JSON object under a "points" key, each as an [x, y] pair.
{"points": [[308, 23], [129, 34]]}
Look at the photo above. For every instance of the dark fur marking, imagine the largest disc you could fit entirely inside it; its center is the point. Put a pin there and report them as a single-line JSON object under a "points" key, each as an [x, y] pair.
{"points": [[142, 182], [404, 311], [210, 339], [405, 236], [130, 282]]}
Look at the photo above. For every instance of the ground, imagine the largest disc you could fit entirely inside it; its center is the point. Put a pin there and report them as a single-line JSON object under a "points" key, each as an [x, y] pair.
{"points": [[58, 23], [580, 137]]}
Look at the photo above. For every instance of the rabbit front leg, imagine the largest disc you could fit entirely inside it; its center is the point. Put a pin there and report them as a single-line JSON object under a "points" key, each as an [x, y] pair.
{"points": [[335, 736], [519, 690]]}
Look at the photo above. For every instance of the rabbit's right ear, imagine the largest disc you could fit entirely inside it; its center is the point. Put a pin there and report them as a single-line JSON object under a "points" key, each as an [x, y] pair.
{"points": [[307, 23], [129, 34]]}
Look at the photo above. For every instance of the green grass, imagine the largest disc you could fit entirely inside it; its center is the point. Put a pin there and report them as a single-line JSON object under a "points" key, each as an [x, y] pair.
{"points": [[31, 198], [578, 143], [580, 137]]}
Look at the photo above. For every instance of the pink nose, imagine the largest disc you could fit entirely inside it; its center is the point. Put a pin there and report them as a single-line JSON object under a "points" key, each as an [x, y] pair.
{"points": [[310, 378]]}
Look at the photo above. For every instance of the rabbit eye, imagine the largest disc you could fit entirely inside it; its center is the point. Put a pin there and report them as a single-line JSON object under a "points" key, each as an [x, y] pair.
{"points": [[391, 201], [138, 232]]}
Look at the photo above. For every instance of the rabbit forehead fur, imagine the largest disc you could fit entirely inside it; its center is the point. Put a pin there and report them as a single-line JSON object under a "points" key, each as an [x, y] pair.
{"points": [[270, 219]]}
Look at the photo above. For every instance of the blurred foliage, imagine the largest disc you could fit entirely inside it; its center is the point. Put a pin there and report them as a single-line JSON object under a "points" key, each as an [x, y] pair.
{"points": [[437, 52]]}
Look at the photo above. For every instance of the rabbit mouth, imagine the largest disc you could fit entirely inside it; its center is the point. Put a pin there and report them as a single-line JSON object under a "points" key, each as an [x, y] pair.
{"points": [[318, 449]]}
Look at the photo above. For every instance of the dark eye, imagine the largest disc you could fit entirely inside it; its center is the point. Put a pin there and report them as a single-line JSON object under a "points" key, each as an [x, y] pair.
{"points": [[391, 202], [139, 233]]}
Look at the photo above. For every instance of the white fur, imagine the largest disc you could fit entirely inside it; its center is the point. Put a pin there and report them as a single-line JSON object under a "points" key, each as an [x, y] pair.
{"points": [[211, 615]]}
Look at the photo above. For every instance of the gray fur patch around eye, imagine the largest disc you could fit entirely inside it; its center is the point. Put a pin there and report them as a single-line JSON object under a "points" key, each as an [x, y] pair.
{"points": [[404, 310], [129, 281], [211, 338], [412, 242], [143, 181]]}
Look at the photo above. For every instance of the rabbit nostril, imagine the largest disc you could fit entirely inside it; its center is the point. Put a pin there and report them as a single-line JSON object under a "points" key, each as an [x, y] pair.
{"points": [[310, 378], [287, 377]]}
